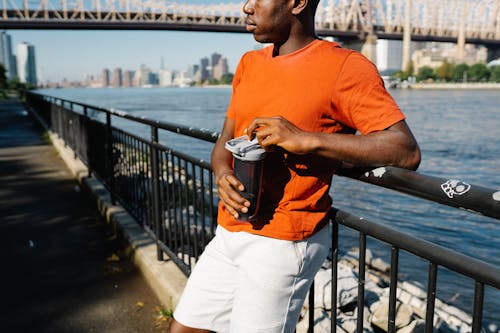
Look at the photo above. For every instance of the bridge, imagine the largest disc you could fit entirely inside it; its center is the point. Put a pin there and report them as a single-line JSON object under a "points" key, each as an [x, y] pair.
{"points": [[460, 21]]}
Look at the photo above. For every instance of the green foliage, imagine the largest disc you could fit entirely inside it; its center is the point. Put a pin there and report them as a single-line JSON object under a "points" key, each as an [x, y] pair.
{"points": [[227, 79], [404, 75], [445, 71], [425, 73], [478, 73], [460, 73], [495, 74]]}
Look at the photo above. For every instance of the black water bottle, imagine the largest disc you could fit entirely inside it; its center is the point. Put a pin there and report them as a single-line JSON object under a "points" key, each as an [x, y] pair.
{"points": [[248, 169]]}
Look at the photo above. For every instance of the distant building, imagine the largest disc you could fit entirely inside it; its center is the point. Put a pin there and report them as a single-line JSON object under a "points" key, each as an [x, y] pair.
{"points": [[117, 80], [389, 56], [105, 78], [127, 79], [26, 63], [204, 69], [166, 77], [7, 58], [433, 54], [220, 69], [142, 76]]}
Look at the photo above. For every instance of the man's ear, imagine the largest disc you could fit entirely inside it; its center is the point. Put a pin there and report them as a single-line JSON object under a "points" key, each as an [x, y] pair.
{"points": [[299, 6]]}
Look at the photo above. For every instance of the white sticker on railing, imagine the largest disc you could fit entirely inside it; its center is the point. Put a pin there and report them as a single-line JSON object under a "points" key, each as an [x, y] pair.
{"points": [[378, 172], [496, 196], [455, 187]]}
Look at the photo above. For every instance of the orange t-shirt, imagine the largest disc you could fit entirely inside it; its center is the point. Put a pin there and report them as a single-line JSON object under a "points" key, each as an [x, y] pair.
{"points": [[319, 88]]}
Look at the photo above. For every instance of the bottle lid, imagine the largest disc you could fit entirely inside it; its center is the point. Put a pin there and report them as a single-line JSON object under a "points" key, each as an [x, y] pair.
{"points": [[246, 150]]}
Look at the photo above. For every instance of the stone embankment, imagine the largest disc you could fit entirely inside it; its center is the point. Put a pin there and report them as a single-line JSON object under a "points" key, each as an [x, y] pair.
{"points": [[410, 308]]}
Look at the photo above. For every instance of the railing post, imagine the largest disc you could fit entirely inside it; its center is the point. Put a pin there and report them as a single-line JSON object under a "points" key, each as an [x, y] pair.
{"points": [[391, 322], [335, 255], [87, 145], [431, 298], [156, 191], [477, 317], [310, 329], [361, 282], [109, 157]]}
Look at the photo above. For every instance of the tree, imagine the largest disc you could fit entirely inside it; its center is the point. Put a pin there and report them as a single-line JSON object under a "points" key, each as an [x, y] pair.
{"points": [[425, 73], [495, 74], [227, 78], [460, 73], [478, 72], [445, 71]]}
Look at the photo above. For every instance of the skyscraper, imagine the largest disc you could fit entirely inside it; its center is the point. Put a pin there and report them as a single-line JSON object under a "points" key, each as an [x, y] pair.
{"points": [[117, 79], [127, 79], [26, 64], [389, 56], [204, 68], [220, 69], [105, 78], [6, 57]]}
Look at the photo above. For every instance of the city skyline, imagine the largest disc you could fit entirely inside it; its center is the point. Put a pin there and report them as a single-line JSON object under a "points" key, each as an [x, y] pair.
{"points": [[72, 55]]}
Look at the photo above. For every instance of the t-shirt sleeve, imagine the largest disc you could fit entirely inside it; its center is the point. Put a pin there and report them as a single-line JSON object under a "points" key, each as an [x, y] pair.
{"points": [[230, 113], [361, 100]]}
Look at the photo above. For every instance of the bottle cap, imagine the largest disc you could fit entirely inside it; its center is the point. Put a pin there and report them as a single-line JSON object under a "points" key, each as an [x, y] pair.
{"points": [[246, 150]]}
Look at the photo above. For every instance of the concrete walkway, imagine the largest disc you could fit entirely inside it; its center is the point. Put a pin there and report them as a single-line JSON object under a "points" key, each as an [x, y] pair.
{"points": [[63, 268]]}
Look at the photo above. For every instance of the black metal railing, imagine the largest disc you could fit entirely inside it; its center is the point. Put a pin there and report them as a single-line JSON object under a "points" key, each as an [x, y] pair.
{"points": [[173, 196]]}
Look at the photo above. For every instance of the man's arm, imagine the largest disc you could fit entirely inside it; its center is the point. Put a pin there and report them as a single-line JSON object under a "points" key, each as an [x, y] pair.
{"points": [[394, 146], [222, 166]]}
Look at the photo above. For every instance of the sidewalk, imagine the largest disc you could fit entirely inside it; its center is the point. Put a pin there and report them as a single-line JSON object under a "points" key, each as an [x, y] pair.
{"points": [[63, 270]]}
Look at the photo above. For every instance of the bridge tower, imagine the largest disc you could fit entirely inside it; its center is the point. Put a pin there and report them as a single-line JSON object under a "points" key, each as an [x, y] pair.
{"points": [[369, 48], [461, 34], [406, 37]]}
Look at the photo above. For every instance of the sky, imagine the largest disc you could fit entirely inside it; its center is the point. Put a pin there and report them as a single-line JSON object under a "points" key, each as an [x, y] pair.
{"points": [[73, 54]]}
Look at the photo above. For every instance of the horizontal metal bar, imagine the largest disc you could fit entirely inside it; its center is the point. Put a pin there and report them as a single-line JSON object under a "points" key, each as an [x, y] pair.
{"points": [[455, 261], [471, 197]]}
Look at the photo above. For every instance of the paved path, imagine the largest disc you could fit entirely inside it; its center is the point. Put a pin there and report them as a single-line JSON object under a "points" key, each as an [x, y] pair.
{"points": [[56, 270]]}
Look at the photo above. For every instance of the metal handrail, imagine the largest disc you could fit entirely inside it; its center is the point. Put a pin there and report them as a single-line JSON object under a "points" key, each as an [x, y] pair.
{"points": [[460, 263]]}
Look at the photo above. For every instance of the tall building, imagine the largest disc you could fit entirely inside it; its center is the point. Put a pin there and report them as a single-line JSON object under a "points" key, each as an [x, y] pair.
{"points": [[214, 61], [389, 56], [204, 68], [165, 77], [142, 76], [26, 63], [117, 79], [127, 79], [7, 58], [220, 69], [105, 78]]}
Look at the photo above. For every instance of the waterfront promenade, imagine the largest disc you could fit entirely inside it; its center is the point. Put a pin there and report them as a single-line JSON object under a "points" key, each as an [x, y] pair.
{"points": [[63, 268]]}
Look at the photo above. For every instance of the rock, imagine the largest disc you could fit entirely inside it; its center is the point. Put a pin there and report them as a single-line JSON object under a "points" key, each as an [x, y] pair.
{"points": [[380, 313], [347, 287], [380, 265], [416, 326], [413, 289]]}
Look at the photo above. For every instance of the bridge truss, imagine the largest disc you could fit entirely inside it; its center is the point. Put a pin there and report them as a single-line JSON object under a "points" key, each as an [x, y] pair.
{"points": [[478, 21]]}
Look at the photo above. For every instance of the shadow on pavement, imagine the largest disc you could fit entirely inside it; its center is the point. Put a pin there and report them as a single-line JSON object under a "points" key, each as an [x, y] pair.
{"points": [[64, 270]]}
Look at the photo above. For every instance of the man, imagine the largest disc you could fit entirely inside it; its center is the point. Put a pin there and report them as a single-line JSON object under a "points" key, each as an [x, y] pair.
{"points": [[304, 99]]}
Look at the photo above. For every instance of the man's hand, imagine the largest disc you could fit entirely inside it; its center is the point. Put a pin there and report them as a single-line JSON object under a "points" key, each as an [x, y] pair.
{"points": [[279, 132], [228, 187]]}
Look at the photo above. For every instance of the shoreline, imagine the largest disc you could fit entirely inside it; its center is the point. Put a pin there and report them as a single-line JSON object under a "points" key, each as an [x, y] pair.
{"points": [[455, 86]]}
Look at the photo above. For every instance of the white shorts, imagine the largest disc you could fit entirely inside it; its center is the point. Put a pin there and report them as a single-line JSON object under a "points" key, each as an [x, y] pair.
{"points": [[249, 283]]}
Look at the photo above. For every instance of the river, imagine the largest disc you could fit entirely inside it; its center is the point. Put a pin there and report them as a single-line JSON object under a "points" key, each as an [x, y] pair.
{"points": [[458, 133]]}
